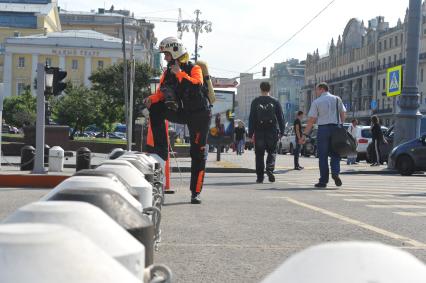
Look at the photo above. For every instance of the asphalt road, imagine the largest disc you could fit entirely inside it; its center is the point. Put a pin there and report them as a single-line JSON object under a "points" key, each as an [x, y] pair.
{"points": [[243, 230]]}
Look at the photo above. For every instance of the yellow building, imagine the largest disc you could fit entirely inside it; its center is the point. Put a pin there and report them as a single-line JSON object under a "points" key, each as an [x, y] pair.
{"points": [[23, 18], [78, 52]]}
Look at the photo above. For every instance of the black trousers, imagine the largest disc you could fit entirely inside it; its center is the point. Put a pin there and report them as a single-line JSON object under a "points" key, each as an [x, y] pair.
{"points": [[265, 141], [198, 125], [297, 154]]}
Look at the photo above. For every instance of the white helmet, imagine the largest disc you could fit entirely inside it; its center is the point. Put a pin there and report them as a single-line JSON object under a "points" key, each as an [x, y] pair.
{"points": [[174, 46]]}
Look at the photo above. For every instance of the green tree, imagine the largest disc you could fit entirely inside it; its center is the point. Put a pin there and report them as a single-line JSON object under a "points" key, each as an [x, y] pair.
{"points": [[77, 108], [108, 84], [20, 110]]}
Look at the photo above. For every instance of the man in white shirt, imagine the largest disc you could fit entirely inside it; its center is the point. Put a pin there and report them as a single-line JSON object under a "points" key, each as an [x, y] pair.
{"points": [[353, 130], [328, 112]]}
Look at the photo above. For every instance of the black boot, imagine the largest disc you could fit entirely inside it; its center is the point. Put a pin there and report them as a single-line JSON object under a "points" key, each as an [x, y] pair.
{"points": [[195, 198]]}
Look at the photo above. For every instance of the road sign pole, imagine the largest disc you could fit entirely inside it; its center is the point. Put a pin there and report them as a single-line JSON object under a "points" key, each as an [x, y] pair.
{"points": [[39, 154], [408, 119]]}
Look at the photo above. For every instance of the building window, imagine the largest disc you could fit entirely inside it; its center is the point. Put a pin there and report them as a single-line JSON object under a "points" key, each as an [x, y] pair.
{"points": [[378, 84], [390, 42], [384, 84], [21, 62], [389, 60], [384, 62], [74, 65], [100, 64], [385, 43], [402, 38], [394, 59], [380, 46], [20, 88], [396, 40], [421, 75], [49, 62]]}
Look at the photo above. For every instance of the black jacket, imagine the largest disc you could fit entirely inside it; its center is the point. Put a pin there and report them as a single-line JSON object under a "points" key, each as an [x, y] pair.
{"points": [[377, 134], [253, 123]]}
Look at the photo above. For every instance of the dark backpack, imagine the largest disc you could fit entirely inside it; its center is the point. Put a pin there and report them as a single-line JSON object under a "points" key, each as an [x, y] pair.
{"points": [[266, 115]]}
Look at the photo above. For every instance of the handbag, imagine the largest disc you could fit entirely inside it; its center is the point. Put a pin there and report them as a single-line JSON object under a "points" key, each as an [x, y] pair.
{"points": [[342, 142]]}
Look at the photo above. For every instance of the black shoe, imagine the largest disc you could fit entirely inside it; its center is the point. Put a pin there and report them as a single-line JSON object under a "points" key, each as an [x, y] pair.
{"points": [[337, 180], [271, 176], [321, 185], [259, 181], [196, 199]]}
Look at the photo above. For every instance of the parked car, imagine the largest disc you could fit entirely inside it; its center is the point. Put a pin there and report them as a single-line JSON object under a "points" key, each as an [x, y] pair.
{"points": [[287, 143], [7, 129], [409, 157], [310, 146], [364, 138], [385, 149]]}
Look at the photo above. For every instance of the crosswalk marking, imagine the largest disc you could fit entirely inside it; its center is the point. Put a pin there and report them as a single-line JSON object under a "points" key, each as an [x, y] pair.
{"points": [[411, 206], [387, 200], [411, 214]]}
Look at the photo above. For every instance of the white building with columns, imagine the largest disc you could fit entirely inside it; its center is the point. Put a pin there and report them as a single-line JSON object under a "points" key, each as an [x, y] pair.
{"points": [[79, 52]]}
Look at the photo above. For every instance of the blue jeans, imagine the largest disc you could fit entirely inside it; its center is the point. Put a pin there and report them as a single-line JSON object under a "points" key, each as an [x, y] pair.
{"points": [[324, 151], [240, 146]]}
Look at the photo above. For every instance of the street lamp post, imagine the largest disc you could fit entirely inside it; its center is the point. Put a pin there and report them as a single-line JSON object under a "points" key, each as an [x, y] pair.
{"points": [[197, 26], [409, 117]]}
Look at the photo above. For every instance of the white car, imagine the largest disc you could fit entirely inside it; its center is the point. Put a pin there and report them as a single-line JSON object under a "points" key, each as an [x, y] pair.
{"points": [[287, 143], [364, 138]]}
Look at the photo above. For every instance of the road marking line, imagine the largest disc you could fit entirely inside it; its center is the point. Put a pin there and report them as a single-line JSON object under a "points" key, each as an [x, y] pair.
{"points": [[385, 200], [411, 214], [396, 206], [360, 224], [357, 195]]}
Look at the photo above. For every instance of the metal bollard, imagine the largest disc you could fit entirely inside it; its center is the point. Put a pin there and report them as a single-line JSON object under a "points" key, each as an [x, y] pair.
{"points": [[46, 154], [83, 158], [27, 158], [119, 209]]}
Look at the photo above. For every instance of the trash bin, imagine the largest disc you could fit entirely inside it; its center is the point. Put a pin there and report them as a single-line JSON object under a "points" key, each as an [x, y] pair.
{"points": [[83, 158], [56, 159], [27, 158]]}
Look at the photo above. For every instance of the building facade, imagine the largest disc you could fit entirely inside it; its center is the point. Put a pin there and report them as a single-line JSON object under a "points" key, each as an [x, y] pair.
{"points": [[78, 52], [247, 90], [110, 22], [356, 68], [23, 18], [287, 80]]}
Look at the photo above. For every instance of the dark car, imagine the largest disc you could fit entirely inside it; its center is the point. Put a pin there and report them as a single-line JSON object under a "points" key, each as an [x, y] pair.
{"points": [[409, 157], [385, 149]]}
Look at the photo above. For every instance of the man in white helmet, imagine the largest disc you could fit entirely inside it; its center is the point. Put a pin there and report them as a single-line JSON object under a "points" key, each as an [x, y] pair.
{"points": [[181, 98]]}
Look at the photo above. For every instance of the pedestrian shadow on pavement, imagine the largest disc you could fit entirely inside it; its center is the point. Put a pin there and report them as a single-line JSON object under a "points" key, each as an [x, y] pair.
{"points": [[412, 195], [177, 203], [296, 189]]}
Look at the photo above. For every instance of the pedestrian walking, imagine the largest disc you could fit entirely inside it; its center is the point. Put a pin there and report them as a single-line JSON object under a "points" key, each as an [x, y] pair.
{"points": [[240, 138], [377, 140], [353, 130], [328, 112], [266, 124], [180, 99], [299, 139]]}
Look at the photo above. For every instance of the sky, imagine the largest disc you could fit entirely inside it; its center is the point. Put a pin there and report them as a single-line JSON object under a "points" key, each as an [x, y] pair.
{"points": [[246, 31]]}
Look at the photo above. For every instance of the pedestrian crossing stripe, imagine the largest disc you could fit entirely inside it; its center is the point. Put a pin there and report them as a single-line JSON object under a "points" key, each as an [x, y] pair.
{"points": [[394, 81], [411, 214]]}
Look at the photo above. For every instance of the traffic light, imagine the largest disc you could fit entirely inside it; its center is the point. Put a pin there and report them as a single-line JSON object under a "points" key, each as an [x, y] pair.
{"points": [[58, 85], [263, 71]]}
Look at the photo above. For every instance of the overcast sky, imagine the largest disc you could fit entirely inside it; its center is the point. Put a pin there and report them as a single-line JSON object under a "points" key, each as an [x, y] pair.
{"points": [[245, 31]]}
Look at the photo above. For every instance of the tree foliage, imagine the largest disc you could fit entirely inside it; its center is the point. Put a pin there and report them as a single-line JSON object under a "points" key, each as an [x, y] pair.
{"points": [[77, 108], [20, 110], [108, 84]]}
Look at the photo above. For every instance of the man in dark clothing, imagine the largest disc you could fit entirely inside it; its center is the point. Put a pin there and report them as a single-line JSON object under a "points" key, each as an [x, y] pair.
{"points": [[299, 139], [240, 133], [266, 124], [377, 139]]}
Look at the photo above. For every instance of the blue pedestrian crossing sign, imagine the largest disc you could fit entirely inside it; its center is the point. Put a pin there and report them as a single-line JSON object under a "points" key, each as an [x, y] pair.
{"points": [[394, 81]]}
